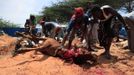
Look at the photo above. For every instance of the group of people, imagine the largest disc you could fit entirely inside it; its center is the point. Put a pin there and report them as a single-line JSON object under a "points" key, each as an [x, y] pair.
{"points": [[104, 16], [49, 29], [85, 24]]}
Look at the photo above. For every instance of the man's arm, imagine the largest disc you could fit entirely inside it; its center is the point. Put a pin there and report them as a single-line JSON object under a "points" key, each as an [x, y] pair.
{"points": [[115, 13]]}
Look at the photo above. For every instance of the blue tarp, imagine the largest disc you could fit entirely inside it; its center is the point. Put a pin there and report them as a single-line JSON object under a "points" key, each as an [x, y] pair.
{"points": [[11, 31], [123, 32]]}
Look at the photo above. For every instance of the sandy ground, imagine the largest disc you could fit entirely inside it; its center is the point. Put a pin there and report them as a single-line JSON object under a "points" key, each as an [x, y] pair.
{"points": [[7, 44], [122, 62]]}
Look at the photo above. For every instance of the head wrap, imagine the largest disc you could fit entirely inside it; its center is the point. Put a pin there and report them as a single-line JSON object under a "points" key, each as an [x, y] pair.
{"points": [[79, 11]]}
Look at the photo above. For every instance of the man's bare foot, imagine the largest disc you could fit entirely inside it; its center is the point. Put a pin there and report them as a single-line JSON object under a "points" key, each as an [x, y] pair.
{"points": [[106, 55]]}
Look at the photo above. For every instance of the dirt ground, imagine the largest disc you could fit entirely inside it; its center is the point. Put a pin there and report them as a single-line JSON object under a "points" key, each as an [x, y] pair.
{"points": [[122, 62]]}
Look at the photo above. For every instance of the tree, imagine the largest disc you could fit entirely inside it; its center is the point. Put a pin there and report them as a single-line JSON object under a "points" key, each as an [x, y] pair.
{"points": [[63, 10], [128, 5], [4, 23]]}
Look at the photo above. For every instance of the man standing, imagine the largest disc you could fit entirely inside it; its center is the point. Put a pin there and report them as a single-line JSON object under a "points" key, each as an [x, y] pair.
{"points": [[27, 27], [32, 25], [105, 15], [92, 27]]}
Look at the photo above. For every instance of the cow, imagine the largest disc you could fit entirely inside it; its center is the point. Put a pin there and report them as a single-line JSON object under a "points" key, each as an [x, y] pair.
{"points": [[50, 47]]}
